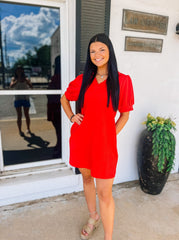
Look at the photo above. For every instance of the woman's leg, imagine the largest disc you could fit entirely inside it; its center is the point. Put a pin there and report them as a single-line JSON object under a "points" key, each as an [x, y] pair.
{"points": [[19, 119], [90, 193], [107, 207], [27, 117]]}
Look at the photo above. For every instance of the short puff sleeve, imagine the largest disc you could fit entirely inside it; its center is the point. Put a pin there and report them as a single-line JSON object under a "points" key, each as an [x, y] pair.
{"points": [[126, 95], [73, 89]]}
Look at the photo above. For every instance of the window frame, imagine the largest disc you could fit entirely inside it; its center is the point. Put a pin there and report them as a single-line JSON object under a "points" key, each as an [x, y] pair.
{"points": [[64, 24]]}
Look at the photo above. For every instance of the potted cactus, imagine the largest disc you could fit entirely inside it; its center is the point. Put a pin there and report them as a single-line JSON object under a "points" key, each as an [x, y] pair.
{"points": [[156, 153]]}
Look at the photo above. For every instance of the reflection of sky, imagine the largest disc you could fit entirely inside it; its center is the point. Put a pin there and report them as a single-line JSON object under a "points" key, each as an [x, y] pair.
{"points": [[26, 27], [17, 10]]}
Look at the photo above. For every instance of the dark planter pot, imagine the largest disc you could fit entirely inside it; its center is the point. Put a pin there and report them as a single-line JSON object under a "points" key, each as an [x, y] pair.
{"points": [[151, 181]]}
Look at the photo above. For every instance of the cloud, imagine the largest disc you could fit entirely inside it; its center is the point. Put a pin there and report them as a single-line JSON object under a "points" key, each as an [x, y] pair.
{"points": [[25, 32]]}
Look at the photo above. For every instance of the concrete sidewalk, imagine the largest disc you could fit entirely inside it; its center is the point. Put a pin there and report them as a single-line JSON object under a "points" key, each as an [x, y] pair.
{"points": [[139, 216]]}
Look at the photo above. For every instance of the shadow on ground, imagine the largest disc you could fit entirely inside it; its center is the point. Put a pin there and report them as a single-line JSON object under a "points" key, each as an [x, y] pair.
{"points": [[38, 151]]}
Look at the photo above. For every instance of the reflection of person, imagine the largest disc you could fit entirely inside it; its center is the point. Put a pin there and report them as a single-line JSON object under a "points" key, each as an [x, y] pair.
{"points": [[54, 107], [99, 93], [20, 82]]}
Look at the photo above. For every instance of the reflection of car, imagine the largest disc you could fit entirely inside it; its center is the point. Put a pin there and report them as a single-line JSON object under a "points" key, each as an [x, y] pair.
{"points": [[32, 71], [36, 71], [34, 74]]}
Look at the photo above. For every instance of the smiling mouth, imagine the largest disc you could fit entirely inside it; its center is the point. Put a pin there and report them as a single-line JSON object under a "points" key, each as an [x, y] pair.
{"points": [[98, 59]]}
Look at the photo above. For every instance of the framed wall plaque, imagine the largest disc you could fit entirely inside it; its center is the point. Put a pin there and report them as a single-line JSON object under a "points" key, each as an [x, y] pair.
{"points": [[143, 44], [144, 22]]}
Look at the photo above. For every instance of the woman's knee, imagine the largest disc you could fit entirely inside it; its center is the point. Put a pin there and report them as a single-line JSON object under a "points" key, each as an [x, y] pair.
{"points": [[19, 112], [104, 190], [88, 180], [26, 112], [105, 196]]}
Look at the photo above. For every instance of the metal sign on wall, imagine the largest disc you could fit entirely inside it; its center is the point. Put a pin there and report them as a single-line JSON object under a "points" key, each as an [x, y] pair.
{"points": [[144, 22], [143, 44]]}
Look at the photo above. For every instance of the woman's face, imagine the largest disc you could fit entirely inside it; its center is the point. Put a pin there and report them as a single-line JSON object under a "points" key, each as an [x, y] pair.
{"points": [[19, 71], [99, 54]]}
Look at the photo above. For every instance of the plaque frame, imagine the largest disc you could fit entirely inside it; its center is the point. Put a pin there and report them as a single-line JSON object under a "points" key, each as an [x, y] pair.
{"points": [[145, 15], [144, 49]]}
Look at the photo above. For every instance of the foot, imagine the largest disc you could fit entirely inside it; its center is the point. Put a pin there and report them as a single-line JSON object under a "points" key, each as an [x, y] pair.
{"points": [[21, 133], [28, 131], [92, 224]]}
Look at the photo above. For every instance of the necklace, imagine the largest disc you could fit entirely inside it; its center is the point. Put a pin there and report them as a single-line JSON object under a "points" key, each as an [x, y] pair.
{"points": [[101, 76]]}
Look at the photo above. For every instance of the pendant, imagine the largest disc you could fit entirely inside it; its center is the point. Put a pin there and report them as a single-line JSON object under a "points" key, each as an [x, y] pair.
{"points": [[102, 76]]}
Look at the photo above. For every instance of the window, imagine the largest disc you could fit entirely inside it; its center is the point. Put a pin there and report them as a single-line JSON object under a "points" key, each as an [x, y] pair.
{"points": [[30, 40]]}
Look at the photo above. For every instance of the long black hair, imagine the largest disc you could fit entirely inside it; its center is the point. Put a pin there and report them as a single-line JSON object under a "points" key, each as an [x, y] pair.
{"points": [[91, 70], [22, 72]]}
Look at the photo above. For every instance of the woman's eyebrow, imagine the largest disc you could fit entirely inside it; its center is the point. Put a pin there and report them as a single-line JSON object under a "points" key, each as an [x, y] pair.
{"points": [[98, 48]]}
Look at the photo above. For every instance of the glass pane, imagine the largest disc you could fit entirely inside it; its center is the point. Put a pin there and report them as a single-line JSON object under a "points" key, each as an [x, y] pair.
{"points": [[30, 38], [42, 141]]}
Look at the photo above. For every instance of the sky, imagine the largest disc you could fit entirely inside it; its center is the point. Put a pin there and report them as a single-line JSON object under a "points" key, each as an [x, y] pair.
{"points": [[26, 27]]}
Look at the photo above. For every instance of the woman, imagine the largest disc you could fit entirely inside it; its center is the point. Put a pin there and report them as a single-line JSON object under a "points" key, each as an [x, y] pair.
{"points": [[99, 93], [20, 82]]}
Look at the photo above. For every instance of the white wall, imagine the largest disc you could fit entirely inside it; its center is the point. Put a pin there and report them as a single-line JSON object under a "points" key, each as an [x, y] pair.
{"points": [[155, 78]]}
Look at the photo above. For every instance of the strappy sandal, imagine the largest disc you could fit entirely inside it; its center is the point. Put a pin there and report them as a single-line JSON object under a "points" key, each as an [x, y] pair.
{"points": [[89, 228]]}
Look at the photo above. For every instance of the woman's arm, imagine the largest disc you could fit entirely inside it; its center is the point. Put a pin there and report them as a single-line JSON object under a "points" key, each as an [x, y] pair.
{"points": [[29, 83], [121, 122], [13, 82], [78, 118]]}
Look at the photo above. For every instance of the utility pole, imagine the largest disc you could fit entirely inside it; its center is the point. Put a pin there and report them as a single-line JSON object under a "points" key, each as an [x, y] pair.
{"points": [[2, 59]]}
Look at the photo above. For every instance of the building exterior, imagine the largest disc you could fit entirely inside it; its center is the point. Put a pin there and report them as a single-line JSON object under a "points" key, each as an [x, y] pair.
{"points": [[155, 78]]}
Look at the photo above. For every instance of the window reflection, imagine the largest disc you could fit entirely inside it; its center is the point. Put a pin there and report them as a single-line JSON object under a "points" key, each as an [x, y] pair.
{"points": [[54, 106], [41, 143], [21, 102], [29, 59], [30, 37]]}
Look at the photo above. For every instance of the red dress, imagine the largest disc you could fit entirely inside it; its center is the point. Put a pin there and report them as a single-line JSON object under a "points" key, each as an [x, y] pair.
{"points": [[93, 143]]}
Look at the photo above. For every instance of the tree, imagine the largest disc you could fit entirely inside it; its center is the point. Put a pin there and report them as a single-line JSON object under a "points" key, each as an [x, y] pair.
{"points": [[41, 58]]}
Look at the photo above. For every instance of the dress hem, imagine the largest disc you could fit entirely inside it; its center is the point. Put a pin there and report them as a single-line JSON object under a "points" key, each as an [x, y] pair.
{"points": [[93, 175]]}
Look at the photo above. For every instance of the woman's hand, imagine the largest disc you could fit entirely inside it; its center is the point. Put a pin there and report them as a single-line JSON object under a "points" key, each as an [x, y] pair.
{"points": [[77, 118], [74, 118], [13, 83]]}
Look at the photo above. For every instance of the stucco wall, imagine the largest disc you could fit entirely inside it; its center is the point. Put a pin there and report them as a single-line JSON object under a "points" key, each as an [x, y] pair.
{"points": [[155, 78]]}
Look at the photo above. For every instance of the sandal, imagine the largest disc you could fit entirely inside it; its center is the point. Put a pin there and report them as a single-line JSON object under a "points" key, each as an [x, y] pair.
{"points": [[89, 228]]}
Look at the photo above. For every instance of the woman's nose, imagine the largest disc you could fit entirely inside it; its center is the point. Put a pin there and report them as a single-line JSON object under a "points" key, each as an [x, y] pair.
{"points": [[97, 53]]}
